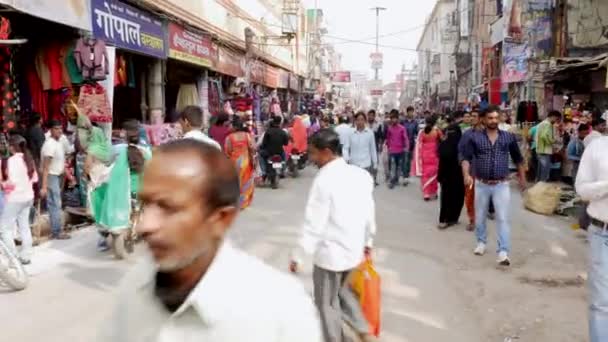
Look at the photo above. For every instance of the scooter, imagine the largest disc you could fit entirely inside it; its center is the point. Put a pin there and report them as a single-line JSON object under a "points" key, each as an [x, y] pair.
{"points": [[293, 163], [274, 169]]}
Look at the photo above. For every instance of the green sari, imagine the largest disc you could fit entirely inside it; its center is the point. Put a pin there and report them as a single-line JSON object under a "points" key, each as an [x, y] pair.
{"points": [[111, 201]]}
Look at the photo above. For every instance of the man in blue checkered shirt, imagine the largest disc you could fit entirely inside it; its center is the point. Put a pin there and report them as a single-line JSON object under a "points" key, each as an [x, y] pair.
{"points": [[486, 155]]}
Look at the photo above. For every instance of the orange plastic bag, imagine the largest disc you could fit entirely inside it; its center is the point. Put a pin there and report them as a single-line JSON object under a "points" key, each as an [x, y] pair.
{"points": [[365, 283]]}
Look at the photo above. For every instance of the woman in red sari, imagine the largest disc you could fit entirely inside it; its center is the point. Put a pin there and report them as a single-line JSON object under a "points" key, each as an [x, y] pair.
{"points": [[426, 159], [240, 147]]}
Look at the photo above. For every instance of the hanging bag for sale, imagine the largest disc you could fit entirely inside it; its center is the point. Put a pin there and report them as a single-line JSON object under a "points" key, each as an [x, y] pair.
{"points": [[365, 283]]}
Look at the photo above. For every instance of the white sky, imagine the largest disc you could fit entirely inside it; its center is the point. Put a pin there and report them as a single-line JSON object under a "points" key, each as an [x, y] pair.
{"points": [[353, 19]]}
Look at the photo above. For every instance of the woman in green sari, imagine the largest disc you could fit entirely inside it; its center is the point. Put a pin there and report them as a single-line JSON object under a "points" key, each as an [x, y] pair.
{"points": [[94, 153], [111, 198]]}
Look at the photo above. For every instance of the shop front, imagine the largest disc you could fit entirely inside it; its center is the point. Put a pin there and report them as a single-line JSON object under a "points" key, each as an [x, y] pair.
{"points": [[191, 56], [283, 90], [222, 84], [42, 74], [132, 44]]}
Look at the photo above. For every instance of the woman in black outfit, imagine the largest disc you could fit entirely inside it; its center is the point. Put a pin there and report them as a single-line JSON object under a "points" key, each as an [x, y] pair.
{"points": [[451, 179]]}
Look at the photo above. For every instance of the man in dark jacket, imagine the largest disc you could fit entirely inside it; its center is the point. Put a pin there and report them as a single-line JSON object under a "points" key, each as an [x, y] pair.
{"points": [[275, 138]]}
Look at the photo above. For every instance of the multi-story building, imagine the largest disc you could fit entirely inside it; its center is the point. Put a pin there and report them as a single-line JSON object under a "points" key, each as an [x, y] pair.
{"points": [[436, 75]]}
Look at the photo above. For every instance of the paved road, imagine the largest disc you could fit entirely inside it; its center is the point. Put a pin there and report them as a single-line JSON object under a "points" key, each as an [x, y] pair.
{"points": [[434, 289]]}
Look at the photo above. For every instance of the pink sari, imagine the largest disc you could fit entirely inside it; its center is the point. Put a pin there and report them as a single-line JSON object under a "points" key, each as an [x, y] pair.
{"points": [[426, 161]]}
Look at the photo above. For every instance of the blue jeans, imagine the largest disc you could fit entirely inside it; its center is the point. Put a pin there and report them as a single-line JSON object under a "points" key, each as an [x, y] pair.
{"points": [[17, 213], [396, 162], [53, 203], [544, 167], [407, 163], [598, 284], [500, 194]]}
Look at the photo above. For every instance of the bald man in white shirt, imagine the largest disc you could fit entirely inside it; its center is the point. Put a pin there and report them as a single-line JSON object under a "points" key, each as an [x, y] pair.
{"points": [[338, 230], [195, 285], [592, 186]]}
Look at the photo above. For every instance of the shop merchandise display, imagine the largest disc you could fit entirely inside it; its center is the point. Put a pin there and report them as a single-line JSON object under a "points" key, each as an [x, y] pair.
{"points": [[92, 58], [187, 96], [163, 133], [93, 101], [527, 112]]}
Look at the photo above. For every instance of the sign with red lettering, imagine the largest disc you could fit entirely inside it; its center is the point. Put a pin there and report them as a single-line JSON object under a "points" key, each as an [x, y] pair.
{"points": [[192, 47]]}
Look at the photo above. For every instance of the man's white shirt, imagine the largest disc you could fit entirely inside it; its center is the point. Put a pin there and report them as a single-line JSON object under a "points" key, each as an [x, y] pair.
{"points": [[592, 178], [239, 299], [344, 131], [340, 217], [200, 136]]}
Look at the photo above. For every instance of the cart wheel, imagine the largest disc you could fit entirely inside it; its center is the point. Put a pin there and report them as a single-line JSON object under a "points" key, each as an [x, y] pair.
{"points": [[120, 245]]}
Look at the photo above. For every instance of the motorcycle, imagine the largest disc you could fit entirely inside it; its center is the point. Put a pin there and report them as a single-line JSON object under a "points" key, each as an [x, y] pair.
{"points": [[12, 272], [294, 162], [274, 169]]}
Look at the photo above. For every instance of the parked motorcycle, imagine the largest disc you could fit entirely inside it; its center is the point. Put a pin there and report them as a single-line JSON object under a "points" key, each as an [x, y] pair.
{"points": [[274, 169], [12, 272]]}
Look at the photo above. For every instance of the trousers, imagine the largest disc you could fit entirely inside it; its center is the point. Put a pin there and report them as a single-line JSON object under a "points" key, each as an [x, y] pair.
{"points": [[17, 213], [336, 303], [598, 284]]}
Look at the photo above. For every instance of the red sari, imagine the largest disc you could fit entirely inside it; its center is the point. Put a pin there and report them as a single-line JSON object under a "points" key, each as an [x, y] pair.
{"points": [[426, 161]]}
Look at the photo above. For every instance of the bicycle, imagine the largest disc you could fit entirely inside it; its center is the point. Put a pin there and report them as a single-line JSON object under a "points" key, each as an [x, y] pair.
{"points": [[12, 272]]}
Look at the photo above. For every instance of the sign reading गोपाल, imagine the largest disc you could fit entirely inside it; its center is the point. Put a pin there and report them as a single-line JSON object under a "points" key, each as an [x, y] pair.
{"points": [[188, 46], [128, 28]]}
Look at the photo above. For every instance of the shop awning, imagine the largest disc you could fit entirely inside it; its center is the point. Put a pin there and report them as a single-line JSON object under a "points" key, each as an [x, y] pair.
{"points": [[565, 67], [175, 11]]}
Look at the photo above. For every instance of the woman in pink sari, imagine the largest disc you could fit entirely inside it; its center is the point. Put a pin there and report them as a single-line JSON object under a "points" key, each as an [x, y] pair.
{"points": [[426, 159]]}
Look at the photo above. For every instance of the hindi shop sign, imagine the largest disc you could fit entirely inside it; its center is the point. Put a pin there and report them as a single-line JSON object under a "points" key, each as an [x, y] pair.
{"points": [[128, 28], [191, 47]]}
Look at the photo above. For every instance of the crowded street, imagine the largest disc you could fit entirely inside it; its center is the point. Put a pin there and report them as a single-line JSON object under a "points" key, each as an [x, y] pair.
{"points": [[434, 288], [304, 171]]}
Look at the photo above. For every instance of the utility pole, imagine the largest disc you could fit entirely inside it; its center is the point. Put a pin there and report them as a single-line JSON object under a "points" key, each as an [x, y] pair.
{"points": [[377, 10]]}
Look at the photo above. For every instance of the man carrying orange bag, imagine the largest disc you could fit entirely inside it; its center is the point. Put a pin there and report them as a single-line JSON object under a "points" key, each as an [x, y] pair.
{"points": [[338, 229]]}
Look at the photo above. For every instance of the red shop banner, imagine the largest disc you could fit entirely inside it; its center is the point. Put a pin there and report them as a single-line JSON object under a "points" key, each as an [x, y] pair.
{"points": [[340, 76], [229, 63], [283, 79], [271, 77], [189, 46], [258, 72]]}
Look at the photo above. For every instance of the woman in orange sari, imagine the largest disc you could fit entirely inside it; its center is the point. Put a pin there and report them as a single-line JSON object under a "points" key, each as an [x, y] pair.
{"points": [[299, 135], [239, 147]]}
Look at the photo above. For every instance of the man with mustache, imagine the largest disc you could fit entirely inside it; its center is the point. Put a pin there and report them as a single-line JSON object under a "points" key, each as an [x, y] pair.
{"points": [[197, 286]]}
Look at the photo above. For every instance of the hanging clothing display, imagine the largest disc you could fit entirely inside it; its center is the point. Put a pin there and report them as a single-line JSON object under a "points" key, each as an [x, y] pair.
{"points": [[71, 67], [162, 133], [243, 105], [214, 98], [55, 60], [39, 100], [93, 101], [120, 72], [228, 108], [187, 96], [7, 91], [92, 58], [527, 112]]}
